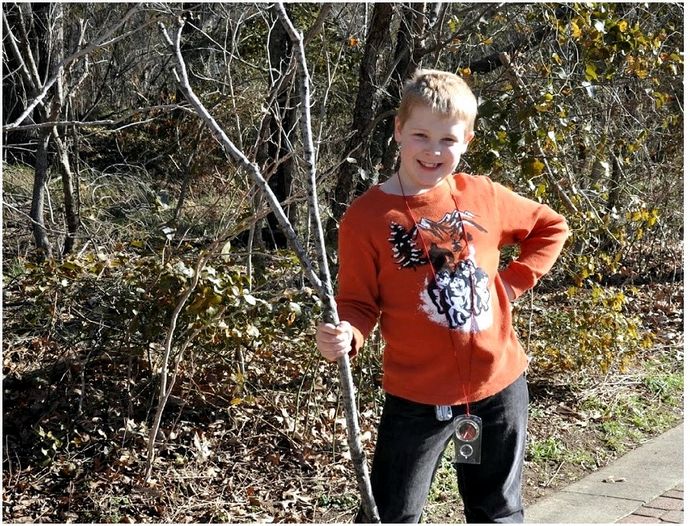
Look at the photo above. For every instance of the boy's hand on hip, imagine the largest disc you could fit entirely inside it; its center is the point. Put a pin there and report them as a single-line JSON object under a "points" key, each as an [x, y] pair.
{"points": [[334, 341]]}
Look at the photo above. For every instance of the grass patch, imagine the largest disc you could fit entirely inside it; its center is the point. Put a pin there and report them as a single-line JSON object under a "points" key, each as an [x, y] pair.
{"points": [[582, 457], [17, 179], [445, 484], [664, 381], [444, 504], [619, 437], [649, 408], [339, 502], [548, 449]]}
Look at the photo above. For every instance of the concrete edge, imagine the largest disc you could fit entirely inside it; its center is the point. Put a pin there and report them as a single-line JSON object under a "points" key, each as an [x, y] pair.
{"points": [[631, 481]]}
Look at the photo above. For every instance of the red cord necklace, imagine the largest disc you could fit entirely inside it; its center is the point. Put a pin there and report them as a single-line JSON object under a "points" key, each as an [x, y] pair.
{"points": [[473, 321]]}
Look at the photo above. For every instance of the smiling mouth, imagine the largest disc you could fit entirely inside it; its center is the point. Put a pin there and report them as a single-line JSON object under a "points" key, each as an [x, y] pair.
{"points": [[429, 165]]}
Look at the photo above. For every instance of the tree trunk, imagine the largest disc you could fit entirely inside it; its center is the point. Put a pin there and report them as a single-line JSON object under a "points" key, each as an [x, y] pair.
{"points": [[57, 44], [37, 38], [71, 208], [277, 132], [365, 109], [385, 151], [43, 244]]}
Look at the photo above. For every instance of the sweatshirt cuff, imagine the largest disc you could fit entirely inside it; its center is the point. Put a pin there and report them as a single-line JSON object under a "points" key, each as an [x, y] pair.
{"points": [[515, 279], [357, 341]]}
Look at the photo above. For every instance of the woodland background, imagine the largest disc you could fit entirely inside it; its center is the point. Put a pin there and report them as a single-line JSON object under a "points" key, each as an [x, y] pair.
{"points": [[114, 192]]}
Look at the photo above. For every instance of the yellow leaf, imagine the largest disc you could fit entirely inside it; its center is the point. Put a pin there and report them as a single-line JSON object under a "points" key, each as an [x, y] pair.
{"points": [[532, 167], [622, 26], [575, 29], [71, 265]]}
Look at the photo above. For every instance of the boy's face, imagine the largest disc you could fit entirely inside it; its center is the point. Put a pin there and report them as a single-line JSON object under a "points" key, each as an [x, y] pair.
{"points": [[430, 147]]}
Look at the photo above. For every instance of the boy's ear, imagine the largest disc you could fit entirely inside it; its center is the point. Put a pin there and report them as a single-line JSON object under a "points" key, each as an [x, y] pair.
{"points": [[469, 136], [397, 129]]}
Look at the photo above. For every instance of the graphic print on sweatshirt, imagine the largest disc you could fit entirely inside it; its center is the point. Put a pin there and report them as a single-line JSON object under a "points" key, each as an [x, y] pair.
{"points": [[447, 299]]}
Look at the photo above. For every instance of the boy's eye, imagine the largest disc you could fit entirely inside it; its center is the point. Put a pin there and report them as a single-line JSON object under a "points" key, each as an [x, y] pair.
{"points": [[449, 140], [421, 135]]}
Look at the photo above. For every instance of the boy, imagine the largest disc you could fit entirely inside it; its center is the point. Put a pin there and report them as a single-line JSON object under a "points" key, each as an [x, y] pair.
{"points": [[419, 254]]}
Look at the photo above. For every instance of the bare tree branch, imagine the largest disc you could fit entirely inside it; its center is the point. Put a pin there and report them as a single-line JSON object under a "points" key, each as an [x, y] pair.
{"points": [[36, 78], [17, 54], [331, 312], [242, 159], [520, 87], [103, 41]]}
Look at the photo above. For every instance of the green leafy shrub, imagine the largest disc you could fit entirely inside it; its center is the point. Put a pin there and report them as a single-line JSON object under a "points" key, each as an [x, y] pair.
{"points": [[591, 330], [123, 303]]}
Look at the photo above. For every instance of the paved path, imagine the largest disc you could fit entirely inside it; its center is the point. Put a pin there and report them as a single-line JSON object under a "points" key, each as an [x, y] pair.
{"points": [[645, 485], [667, 508]]}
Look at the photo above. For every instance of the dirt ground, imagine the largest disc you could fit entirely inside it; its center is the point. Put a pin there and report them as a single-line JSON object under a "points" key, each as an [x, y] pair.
{"points": [[75, 436]]}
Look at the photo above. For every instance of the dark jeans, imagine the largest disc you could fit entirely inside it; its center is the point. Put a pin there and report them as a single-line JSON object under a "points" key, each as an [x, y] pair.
{"points": [[410, 446]]}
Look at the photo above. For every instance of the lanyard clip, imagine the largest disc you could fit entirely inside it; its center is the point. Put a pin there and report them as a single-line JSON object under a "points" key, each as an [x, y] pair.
{"points": [[444, 413]]}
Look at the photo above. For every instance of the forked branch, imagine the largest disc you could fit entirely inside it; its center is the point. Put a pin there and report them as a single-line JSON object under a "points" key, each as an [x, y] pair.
{"points": [[234, 152], [330, 312], [322, 283]]}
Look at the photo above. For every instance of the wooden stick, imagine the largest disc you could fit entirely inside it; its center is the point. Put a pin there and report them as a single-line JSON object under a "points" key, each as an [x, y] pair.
{"points": [[321, 284], [330, 311]]}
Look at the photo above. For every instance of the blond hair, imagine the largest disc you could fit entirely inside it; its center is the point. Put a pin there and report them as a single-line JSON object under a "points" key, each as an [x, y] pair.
{"points": [[443, 92]]}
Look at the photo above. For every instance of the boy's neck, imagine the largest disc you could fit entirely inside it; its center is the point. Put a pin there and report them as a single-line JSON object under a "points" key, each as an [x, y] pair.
{"points": [[392, 186]]}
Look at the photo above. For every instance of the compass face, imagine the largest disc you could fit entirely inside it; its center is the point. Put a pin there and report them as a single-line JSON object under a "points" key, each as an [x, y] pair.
{"points": [[467, 431]]}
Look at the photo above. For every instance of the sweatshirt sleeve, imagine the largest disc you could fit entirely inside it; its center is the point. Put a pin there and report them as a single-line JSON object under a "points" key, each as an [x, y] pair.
{"points": [[357, 297], [539, 231]]}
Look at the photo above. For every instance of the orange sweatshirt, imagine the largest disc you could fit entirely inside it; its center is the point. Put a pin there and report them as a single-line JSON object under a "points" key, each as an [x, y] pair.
{"points": [[436, 290]]}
